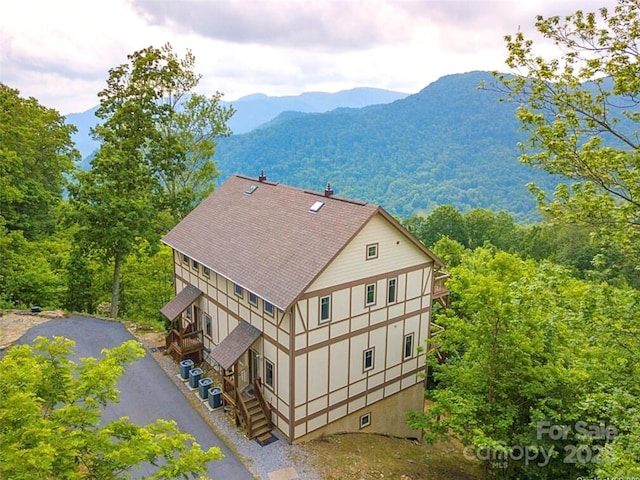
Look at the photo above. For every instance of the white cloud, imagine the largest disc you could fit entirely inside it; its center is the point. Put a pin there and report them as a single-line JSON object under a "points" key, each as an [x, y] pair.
{"points": [[60, 51]]}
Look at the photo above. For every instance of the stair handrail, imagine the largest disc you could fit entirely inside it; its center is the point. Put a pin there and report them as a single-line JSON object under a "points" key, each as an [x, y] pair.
{"points": [[266, 408], [245, 414]]}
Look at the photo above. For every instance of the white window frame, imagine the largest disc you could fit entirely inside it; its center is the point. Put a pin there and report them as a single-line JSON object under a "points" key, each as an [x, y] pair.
{"points": [[365, 420], [268, 363], [364, 359], [366, 295], [395, 290], [208, 325], [238, 290], [411, 338], [267, 307], [374, 255], [253, 302], [328, 317], [206, 271]]}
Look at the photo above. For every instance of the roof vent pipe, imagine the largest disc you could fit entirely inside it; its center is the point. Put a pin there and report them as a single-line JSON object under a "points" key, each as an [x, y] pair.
{"points": [[328, 192], [262, 176]]}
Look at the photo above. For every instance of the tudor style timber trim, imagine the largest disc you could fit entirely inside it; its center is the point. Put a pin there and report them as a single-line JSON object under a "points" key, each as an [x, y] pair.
{"points": [[232, 314], [358, 396], [361, 331]]}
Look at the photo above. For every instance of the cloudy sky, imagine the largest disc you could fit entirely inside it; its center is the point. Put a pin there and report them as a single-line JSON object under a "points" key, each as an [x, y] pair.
{"points": [[60, 51]]}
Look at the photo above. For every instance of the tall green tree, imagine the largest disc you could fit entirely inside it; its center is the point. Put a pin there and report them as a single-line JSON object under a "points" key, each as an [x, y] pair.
{"points": [[155, 156], [580, 109], [527, 346], [36, 151], [50, 419], [183, 157]]}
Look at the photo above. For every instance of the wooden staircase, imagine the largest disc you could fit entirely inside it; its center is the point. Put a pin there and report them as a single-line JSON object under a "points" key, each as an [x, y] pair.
{"points": [[258, 423], [250, 411]]}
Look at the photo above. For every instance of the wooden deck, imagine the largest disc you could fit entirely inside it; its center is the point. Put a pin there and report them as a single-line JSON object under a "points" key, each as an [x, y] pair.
{"points": [[185, 346]]}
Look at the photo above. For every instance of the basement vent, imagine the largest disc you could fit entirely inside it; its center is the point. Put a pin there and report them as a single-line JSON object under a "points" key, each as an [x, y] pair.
{"points": [[316, 206], [251, 189]]}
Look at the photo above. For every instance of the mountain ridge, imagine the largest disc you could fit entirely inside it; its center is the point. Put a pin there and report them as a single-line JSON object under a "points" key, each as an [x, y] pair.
{"points": [[254, 110], [450, 143]]}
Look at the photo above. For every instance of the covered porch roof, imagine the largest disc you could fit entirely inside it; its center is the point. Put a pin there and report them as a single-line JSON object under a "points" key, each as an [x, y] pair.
{"points": [[235, 344], [181, 301]]}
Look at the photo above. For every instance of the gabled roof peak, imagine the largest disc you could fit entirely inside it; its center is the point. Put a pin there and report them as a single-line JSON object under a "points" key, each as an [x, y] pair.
{"points": [[268, 241]]}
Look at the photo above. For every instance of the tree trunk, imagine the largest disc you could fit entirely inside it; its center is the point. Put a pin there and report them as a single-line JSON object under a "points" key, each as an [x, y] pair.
{"points": [[115, 285]]}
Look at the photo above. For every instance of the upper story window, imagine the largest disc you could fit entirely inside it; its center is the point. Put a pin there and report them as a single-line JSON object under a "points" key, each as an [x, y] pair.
{"points": [[268, 308], [325, 309], [370, 297], [368, 359], [372, 251], [185, 259], [408, 346], [391, 290], [253, 299], [206, 272], [239, 290], [195, 265]]}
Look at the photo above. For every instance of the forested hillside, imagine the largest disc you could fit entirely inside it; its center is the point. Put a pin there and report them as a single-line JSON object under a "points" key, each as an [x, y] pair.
{"points": [[452, 143], [251, 111]]}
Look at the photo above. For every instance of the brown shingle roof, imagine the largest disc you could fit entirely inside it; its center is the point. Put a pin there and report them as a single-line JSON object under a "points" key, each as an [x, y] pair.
{"points": [[180, 302], [268, 242], [235, 344]]}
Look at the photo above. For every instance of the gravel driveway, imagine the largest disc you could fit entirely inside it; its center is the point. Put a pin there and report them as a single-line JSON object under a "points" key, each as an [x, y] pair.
{"points": [[146, 391]]}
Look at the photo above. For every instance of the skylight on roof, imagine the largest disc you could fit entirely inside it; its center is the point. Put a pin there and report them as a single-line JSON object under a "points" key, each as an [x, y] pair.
{"points": [[316, 206], [251, 189]]}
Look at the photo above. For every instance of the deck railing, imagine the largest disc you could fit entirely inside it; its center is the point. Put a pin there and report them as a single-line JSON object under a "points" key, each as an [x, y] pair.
{"points": [[266, 408]]}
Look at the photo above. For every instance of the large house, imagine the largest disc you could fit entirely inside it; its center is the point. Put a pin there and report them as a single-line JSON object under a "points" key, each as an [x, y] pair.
{"points": [[312, 307]]}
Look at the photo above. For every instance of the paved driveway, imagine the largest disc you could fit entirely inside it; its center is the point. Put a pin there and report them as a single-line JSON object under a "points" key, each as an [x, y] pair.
{"points": [[146, 393]]}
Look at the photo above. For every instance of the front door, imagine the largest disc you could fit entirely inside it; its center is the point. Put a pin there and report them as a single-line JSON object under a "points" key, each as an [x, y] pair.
{"points": [[253, 365]]}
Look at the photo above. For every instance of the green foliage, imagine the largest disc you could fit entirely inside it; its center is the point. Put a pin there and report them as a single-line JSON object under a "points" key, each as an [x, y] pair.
{"points": [[155, 156], [182, 157], [577, 247], [35, 153], [50, 410], [147, 285], [527, 343], [471, 229], [581, 113], [31, 271], [451, 143]]}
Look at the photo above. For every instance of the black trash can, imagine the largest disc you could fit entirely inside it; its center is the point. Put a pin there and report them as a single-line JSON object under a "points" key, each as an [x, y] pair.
{"points": [[215, 397], [194, 377], [203, 387], [185, 368]]}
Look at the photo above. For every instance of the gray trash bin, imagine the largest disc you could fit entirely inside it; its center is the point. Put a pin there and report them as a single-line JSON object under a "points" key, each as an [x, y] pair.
{"points": [[215, 397], [203, 387], [185, 368], [194, 377]]}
